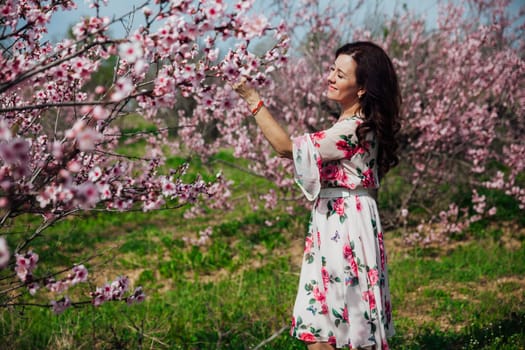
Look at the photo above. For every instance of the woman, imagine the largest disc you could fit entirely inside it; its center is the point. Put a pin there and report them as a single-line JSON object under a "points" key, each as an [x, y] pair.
{"points": [[343, 298]]}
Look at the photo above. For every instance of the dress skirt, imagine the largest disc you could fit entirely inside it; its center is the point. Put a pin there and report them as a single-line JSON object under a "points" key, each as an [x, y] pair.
{"points": [[343, 295]]}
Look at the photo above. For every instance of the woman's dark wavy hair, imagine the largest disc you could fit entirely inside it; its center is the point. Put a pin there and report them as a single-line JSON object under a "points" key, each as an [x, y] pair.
{"points": [[381, 102]]}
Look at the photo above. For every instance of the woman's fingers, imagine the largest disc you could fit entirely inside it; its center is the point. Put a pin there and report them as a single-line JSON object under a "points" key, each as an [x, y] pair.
{"points": [[240, 84]]}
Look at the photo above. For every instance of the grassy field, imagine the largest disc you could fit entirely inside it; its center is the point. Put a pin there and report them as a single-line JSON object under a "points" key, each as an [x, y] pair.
{"points": [[238, 290]]}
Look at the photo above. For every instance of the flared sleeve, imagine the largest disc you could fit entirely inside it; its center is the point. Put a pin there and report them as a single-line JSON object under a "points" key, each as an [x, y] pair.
{"points": [[306, 166]]}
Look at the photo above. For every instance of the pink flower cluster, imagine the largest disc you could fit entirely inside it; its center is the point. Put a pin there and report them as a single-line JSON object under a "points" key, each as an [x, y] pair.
{"points": [[78, 274], [25, 265], [204, 238], [116, 290]]}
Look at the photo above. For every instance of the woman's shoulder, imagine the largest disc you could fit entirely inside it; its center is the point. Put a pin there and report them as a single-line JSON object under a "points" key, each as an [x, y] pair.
{"points": [[348, 123], [356, 118]]}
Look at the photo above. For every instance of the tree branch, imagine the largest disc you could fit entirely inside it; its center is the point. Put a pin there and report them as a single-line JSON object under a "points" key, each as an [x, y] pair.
{"points": [[271, 338]]}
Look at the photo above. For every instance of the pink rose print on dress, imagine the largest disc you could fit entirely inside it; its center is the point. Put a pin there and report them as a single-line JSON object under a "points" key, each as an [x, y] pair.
{"points": [[308, 337], [368, 179], [308, 243], [339, 206], [370, 297], [332, 172], [347, 147], [373, 276], [319, 296], [316, 137], [332, 340], [357, 203], [345, 313], [349, 256], [326, 277]]}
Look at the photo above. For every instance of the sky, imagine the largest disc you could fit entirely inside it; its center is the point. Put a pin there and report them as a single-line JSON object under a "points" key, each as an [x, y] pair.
{"points": [[61, 21]]}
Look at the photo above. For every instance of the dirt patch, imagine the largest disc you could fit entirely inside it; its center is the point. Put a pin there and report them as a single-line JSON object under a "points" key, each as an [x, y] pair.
{"points": [[508, 289]]}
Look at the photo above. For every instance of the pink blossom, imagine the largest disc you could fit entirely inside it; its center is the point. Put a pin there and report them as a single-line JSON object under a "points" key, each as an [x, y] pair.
{"points": [[95, 174], [123, 88], [5, 131], [80, 274], [87, 139], [100, 113], [25, 264], [87, 195], [255, 26], [230, 71], [131, 51], [60, 305], [147, 11], [138, 296], [58, 286], [33, 287], [104, 190]]}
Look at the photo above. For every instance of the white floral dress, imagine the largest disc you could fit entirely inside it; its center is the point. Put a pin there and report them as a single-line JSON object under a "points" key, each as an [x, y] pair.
{"points": [[343, 295]]}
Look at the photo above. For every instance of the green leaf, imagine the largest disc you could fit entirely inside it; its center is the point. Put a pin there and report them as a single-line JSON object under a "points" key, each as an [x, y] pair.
{"points": [[310, 258], [336, 314]]}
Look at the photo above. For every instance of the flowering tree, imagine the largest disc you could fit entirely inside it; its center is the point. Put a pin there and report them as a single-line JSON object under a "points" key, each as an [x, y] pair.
{"points": [[60, 135], [464, 103]]}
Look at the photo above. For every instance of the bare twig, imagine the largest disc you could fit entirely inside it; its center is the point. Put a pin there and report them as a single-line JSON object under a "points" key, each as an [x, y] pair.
{"points": [[239, 168], [271, 338]]}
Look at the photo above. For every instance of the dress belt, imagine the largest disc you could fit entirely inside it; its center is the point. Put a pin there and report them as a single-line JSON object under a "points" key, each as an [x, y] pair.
{"points": [[337, 192]]}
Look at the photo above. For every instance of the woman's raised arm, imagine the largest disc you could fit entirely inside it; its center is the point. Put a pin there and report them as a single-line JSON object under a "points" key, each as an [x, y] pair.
{"points": [[274, 133]]}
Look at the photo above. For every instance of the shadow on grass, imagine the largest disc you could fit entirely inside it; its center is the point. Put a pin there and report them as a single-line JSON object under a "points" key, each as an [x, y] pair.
{"points": [[508, 333]]}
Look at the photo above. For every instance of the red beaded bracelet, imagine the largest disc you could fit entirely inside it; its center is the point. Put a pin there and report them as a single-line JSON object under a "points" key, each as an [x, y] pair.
{"points": [[258, 108]]}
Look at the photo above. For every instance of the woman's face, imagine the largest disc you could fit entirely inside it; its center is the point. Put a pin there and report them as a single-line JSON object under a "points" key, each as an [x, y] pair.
{"points": [[342, 86]]}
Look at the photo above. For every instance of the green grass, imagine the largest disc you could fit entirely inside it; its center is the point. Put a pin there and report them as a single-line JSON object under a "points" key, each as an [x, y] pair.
{"points": [[239, 289]]}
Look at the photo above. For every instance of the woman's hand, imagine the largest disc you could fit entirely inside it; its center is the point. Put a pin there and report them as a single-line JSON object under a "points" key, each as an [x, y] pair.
{"points": [[247, 93]]}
